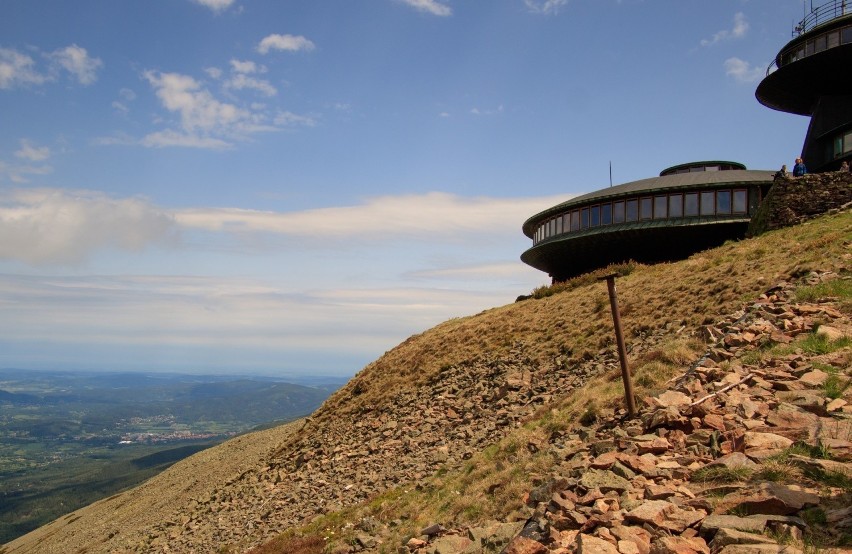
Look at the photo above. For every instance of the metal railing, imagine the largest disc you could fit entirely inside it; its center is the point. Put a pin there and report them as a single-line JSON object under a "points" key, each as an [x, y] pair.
{"points": [[823, 14], [819, 16]]}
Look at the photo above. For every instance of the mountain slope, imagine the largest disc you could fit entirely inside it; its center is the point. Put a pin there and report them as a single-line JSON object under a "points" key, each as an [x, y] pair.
{"points": [[441, 397]]}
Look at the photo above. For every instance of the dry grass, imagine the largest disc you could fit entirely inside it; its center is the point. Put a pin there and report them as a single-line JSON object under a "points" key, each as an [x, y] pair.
{"points": [[565, 326], [291, 545]]}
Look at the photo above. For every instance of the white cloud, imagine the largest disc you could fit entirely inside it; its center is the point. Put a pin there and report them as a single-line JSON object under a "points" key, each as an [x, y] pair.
{"points": [[739, 30], [477, 111], [213, 72], [742, 71], [50, 226], [287, 43], [289, 119], [428, 216], [241, 81], [18, 69], [167, 138], [215, 5], [76, 61], [429, 6], [547, 7], [33, 153], [205, 122], [246, 66]]}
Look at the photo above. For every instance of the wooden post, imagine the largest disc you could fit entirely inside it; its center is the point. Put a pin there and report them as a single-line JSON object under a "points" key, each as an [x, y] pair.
{"points": [[629, 398]]}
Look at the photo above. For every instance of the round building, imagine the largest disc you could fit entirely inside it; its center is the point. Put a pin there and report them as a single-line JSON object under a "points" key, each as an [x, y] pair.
{"points": [[810, 76], [688, 208]]}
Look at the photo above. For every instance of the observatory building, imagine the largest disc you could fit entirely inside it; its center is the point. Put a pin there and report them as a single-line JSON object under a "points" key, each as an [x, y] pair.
{"points": [[810, 76], [688, 208]]}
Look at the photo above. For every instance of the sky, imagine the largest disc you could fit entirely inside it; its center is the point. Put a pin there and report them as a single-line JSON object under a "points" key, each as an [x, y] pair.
{"points": [[293, 187]]}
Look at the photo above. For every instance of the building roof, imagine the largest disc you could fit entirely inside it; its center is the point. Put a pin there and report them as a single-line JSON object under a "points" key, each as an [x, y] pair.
{"points": [[655, 184]]}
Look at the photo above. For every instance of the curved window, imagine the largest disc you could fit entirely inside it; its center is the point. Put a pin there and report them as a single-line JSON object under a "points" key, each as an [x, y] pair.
{"points": [[595, 216], [618, 212], [723, 202], [675, 205], [708, 203], [661, 204], [632, 208], [659, 207], [820, 43], [646, 208], [740, 205], [606, 214]]}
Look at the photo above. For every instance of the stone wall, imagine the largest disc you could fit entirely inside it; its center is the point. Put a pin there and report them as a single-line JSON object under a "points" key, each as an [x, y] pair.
{"points": [[792, 200]]}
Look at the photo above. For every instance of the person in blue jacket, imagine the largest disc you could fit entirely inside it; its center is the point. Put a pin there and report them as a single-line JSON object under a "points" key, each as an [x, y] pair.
{"points": [[799, 169]]}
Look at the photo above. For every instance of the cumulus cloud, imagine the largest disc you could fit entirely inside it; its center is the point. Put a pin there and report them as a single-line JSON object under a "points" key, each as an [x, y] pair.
{"points": [[742, 71], [429, 6], [739, 30], [546, 7], [18, 70], [205, 122], [240, 80], [287, 43], [33, 163], [215, 5], [428, 216], [290, 119], [245, 66], [126, 96], [76, 61], [213, 72], [33, 153], [51, 226]]}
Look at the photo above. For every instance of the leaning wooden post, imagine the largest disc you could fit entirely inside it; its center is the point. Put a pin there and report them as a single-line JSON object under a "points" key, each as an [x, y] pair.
{"points": [[622, 351]]}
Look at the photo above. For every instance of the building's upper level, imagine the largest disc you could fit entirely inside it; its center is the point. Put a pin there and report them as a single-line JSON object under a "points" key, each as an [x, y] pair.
{"points": [[813, 63], [697, 191]]}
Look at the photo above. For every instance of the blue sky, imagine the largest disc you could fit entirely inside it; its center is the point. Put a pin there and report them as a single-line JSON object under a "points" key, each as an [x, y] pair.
{"points": [[295, 186]]}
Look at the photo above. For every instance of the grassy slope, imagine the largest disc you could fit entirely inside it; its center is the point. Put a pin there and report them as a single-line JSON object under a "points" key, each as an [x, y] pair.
{"points": [[663, 309], [669, 302]]}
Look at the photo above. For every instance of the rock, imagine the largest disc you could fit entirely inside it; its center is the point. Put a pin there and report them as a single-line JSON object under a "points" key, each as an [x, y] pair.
{"points": [[639, 536], [523, 545], [604, 480], [725, 536], [679, 545], [760, 549], [773, 499], [588, 544], [656, 445], [750, 524], [450, 544], [734, 460], [830, 333], [814, 378], [431, 530], [654, 512], [671, 398], [764, 441]]}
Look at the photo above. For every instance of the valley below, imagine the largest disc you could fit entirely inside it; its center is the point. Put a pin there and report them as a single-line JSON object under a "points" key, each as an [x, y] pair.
{"points": [[68, 439]]}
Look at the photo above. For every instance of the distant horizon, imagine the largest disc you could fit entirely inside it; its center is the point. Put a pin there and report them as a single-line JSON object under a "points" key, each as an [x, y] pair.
{"points": [[291, 378], [298, 187]]}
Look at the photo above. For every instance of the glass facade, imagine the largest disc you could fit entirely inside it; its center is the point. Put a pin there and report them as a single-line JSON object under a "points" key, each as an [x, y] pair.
{"points": [[816, 45], [676, 205]]}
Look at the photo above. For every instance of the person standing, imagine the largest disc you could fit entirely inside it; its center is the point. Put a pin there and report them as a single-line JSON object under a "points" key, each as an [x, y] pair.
{"points": [[799, 169]]}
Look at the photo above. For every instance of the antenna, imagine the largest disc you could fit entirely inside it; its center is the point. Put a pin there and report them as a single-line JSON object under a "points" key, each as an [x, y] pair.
{"points": [[610, 173]]}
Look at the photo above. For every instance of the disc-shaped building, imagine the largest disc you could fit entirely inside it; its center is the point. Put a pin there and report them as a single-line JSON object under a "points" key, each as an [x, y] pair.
{"points": [[686, 209], [811, 76]]}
